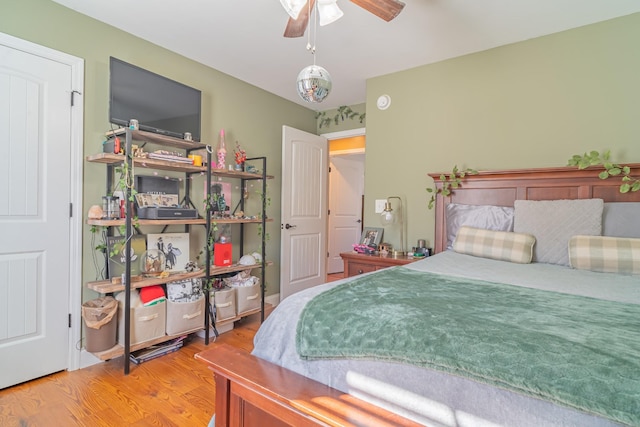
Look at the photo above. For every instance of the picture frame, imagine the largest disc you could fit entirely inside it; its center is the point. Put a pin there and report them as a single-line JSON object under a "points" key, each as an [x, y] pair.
{"points": [[175, 246], [371, 236], [219, 189]]}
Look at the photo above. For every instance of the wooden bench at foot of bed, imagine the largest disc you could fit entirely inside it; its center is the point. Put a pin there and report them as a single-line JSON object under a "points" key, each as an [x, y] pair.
{"points": [[253, 392]]}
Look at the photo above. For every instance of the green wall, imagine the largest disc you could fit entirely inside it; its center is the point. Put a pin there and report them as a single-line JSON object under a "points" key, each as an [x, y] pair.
{"points": [[529, 104], [248, 114]]}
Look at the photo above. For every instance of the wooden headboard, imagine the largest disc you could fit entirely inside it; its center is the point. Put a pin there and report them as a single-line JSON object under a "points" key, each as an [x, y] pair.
{"points": [[503, 187]]}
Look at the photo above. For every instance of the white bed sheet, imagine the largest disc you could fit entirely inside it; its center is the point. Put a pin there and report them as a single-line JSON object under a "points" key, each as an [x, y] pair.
{"points": [[432, 397]]}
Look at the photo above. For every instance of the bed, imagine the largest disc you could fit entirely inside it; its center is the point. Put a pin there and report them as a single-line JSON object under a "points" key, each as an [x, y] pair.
{"points": [[518, 330]]}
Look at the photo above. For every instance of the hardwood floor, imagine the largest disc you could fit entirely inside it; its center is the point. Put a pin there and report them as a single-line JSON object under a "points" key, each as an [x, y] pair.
{"points": [[173, 390]]}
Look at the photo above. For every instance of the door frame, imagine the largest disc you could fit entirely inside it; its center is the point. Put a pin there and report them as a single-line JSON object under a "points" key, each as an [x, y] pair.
{"points": [[339, 135], [345, 134], [76, 139]]}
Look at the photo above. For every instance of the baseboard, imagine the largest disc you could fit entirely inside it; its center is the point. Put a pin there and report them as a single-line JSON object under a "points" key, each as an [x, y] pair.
{"points": [[274, 299], [88, 359]]}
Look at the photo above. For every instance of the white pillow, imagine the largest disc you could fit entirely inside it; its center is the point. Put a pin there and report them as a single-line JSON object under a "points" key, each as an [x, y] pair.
{"points": [[553, 222], [498, 218]]}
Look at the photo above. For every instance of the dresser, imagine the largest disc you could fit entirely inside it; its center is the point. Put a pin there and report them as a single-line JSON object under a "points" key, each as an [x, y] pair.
{"points": [[355, 263]]}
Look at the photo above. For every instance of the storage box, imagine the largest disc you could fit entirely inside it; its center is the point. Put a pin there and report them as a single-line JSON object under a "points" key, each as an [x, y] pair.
{"points": [[185, 316], [147, 323], [222, 254], [248, 297], [224, 301]]}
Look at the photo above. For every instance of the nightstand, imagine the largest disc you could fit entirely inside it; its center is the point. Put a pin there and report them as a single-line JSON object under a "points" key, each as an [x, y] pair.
{"points": [[355, 263]]}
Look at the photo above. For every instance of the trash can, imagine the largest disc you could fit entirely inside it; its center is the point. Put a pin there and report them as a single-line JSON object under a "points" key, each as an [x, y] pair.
{"points": [[101, 323]]}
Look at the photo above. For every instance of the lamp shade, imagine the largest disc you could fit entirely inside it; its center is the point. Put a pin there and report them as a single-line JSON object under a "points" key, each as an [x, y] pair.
{"points": [[293, 7], [314, 83], [329, 12]]}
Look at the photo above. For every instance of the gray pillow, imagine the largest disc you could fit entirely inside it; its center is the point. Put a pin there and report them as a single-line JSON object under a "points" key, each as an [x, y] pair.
{"points": [[621, 219], [554, 222], [497, 218]]}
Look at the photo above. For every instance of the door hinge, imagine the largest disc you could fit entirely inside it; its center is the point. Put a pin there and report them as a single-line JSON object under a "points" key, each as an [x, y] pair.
{"points": [[328, 211], [69, 319], [329, 169], [70, 210], [73, 92]]}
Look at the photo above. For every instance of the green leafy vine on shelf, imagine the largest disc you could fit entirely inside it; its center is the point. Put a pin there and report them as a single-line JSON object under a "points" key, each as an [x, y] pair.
{"points": [[266, 200], [594, 158], [343, 113], [99, 248], [449, 183]]}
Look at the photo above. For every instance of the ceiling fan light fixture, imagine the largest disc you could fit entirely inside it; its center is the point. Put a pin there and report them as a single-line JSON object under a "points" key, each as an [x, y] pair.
{"points": [[329, 12], [314, 83], [293, 7]]}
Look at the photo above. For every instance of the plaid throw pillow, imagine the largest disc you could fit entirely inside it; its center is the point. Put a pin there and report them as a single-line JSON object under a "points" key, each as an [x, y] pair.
{"points": [[500, 245], [605, 254]]}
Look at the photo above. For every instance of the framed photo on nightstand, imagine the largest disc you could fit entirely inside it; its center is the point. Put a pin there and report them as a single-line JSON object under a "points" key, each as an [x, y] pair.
{"points": [[371, 236]]}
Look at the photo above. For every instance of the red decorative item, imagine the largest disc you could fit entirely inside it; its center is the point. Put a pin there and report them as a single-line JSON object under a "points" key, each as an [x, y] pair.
{"points": [[241, 155], [222, 253]]}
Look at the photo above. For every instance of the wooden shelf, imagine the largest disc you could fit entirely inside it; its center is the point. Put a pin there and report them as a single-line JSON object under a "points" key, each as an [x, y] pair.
{"points": [[240, 316], [107, 286], [118, 350], [143, 162], [115, 285], [194, 221], [156, 138]]}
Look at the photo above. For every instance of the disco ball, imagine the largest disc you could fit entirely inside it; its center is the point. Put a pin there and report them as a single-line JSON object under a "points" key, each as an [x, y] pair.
{"points": [[314, 83]]}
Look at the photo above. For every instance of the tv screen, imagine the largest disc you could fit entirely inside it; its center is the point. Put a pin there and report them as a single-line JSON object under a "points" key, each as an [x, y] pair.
{"points": [[160, 105]]}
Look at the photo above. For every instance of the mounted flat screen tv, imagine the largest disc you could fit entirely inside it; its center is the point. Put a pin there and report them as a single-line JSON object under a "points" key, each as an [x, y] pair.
{"points": [[159, 104]]}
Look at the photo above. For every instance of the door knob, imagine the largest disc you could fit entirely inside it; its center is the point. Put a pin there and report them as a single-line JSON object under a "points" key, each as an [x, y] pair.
{"points": [[288, 226], [358, 221]]}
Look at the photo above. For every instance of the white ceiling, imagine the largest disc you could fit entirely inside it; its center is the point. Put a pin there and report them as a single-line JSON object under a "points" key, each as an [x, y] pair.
{"points": [[243, 38]]}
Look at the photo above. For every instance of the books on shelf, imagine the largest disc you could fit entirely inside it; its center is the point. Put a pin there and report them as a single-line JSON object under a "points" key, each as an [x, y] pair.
{"points": [[157, 350], [170, 157]]}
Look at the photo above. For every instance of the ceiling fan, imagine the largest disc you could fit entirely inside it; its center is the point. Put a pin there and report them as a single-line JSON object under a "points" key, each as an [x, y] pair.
{"points": [[329, 12]]}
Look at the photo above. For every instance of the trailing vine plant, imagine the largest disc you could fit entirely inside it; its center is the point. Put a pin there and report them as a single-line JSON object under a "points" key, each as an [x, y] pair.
{"points": [[594, 158], [99, 248], [449, 183], [265, 199], [343, 113]]}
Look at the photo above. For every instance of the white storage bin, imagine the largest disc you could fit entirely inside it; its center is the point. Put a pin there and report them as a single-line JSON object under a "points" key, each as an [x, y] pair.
{"points": [[185, 316], [224, 301], [248, 297], [147, 323]]}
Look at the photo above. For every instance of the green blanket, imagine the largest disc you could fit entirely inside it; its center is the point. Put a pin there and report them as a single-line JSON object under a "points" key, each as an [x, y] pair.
{"points": [[577, 351]]}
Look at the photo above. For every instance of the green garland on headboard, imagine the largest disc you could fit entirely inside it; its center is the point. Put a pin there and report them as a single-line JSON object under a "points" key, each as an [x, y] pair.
{"points": [[594, 158]]}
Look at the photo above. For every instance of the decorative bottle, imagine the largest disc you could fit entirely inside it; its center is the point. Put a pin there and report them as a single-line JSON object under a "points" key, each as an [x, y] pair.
{"points": [[222, 151]]}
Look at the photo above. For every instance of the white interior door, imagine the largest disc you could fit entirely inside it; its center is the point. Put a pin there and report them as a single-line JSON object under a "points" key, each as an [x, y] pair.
{"points": [[303, 244], [35, 200], [346, 187]]}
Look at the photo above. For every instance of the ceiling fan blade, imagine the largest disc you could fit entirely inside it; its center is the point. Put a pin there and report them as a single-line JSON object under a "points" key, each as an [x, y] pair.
{"points": [[296, 27], [385, 9]]}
